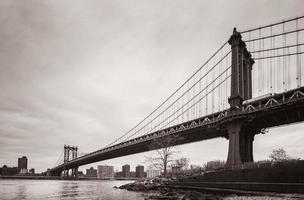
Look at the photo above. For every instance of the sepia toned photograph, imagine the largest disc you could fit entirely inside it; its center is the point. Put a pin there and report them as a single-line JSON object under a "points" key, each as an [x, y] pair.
{"points": [[151, 100]]}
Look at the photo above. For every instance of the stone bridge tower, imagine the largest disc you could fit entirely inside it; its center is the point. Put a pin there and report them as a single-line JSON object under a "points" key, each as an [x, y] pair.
{"points": [[240, 141]]}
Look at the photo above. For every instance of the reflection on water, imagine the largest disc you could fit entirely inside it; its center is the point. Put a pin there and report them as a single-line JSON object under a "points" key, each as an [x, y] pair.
{"points": [[57, 189], [21, 192]]}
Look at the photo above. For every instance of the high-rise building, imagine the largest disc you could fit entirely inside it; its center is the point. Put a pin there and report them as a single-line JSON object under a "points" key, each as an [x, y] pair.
{"points": [[91, 172], [22, 165], [153, 173], [139, 172], [105, 172], [126, 170]]}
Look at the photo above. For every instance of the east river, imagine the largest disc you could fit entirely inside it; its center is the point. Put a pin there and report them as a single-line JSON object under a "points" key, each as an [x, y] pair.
{"points": [[13, 189]]}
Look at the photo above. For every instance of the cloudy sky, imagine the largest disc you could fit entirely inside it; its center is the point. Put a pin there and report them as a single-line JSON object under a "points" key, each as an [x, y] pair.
{"points": [[84, 72]]}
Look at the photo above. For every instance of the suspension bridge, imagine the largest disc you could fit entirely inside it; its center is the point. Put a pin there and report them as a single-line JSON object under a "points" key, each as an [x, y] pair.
{"points": [[254, 81]]}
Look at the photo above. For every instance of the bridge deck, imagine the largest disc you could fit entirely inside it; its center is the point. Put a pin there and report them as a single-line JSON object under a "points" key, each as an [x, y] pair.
{"points": [[273, 110]]}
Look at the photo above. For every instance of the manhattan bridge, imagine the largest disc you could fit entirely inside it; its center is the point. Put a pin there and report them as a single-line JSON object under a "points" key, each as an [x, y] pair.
{"points": [[254, 81]]}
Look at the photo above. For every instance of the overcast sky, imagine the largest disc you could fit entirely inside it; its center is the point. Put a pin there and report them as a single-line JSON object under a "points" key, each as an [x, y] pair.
{"points": [[84, 72]]}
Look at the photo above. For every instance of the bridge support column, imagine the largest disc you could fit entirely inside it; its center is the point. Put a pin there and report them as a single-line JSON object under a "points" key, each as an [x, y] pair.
{"points": [[240, 140], [241, 71], [65, 173], [240, 145], [75, 172]]}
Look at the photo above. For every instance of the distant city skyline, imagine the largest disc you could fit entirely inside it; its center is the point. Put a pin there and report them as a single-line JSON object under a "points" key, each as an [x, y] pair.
{"points": [[20, 169], [85, 74]]}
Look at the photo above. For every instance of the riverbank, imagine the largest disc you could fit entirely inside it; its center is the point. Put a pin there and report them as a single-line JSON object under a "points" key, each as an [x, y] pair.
{"points": [[157, 189], [165, 188], [279, 179]]}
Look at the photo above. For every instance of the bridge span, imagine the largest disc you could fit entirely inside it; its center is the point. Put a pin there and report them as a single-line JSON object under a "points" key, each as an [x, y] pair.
{"points": [[240, 91], [251, 118]]}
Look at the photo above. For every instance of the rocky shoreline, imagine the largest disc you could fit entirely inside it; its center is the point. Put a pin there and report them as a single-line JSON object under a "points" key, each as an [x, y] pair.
{"points": [[144, 185], [155, 189]]}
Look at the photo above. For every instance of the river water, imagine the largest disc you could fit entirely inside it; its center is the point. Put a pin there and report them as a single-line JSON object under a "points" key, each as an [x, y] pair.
{"points": [[12, 189]]}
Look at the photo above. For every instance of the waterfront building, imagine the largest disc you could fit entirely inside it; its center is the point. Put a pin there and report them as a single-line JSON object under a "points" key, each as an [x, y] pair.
{"points": [[151, 173], [22, 165], [8, 171], [80, 174], [32, 171], [105, 172], [118, 174], [126, 170], [139, 171], [91, 172], [132, 174]]}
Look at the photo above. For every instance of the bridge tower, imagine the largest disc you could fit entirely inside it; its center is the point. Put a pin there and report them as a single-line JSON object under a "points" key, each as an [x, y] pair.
{"points": [[70, 151], [240, 141]]}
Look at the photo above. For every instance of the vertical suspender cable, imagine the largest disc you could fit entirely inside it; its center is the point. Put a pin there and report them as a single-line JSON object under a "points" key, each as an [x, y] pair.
{"points": [[226, 85], [288, 70], [298, 57], [206, 84], [259, 66], [181, 106], [263, 70], [187, 111], [220, 88], [254, 69], [284, 60], [194, 107], [274, 66], [288, 66], [271, 62], [177, 109], [212, 93], [200, 88]]}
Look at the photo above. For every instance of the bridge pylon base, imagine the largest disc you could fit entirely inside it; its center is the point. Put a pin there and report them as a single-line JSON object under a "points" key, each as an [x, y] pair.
{"points": [[75, 172], [65, 173], [240, 145]]}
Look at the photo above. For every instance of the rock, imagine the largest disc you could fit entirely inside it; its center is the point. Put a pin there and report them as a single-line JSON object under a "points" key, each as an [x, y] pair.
{"points": [[160, 191]]}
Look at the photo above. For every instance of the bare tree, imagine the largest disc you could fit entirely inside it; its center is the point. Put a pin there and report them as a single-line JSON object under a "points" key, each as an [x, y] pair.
{"points": [[165, 153], [278, 155]]}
